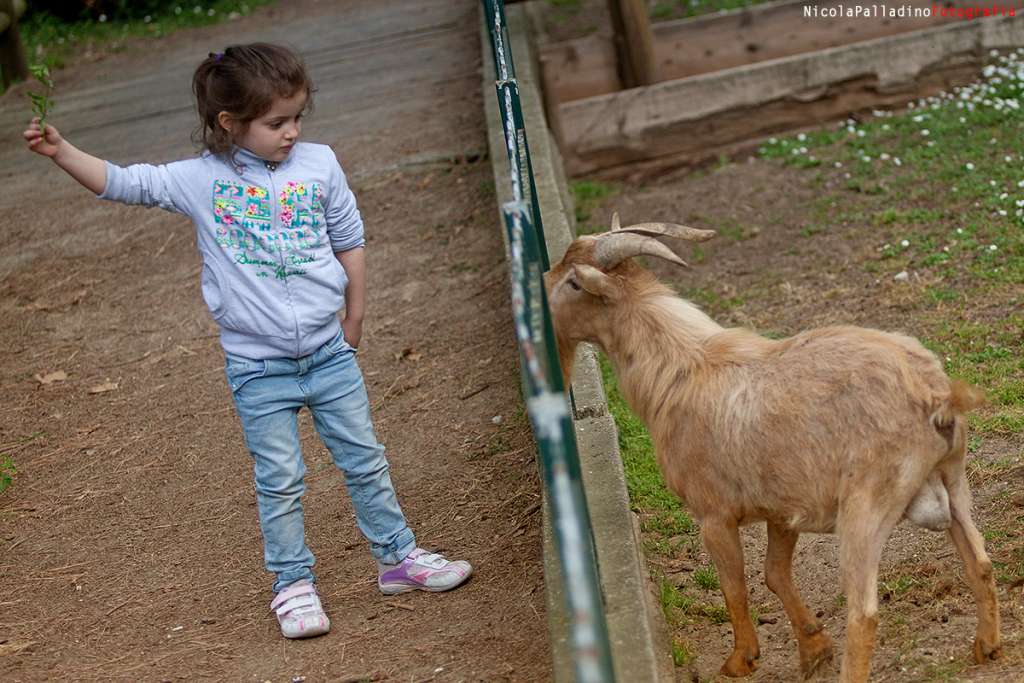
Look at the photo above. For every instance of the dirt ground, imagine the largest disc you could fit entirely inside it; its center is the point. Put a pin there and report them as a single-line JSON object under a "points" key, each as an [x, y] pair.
{"points": [[129, 543], [786, 282]]}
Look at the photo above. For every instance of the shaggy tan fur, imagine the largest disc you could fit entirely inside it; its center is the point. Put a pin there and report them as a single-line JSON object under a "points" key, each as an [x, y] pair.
{"points": [[839, 429]]}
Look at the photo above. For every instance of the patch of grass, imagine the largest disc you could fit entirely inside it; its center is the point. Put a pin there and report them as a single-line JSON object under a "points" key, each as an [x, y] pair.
{"points": [[732, 229], [681, 652], [54, 43], [717, 614], [954, 216], [588, 195], [896, 587], [675, 604], [706, 578], [991, 356], [710, 301], [7, 472], [943, 671]]}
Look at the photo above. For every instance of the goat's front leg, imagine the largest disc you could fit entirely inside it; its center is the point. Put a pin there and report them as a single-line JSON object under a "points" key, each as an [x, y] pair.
{"points": [[722, 539], [814, 644]]}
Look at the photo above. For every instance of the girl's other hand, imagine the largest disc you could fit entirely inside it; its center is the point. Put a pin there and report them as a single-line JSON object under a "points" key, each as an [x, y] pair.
{"points": [[48, 144], [353, 331]]}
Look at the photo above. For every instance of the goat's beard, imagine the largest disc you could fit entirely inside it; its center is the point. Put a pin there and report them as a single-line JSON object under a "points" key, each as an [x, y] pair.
{"points": [[566, 358]]}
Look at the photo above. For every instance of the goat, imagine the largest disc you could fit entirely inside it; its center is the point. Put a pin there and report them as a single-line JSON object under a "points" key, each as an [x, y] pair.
{"points": [[840, 429]]}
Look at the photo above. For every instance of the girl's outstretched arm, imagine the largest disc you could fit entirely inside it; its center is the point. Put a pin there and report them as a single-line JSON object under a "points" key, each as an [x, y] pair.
{"points": [[85, 168]]}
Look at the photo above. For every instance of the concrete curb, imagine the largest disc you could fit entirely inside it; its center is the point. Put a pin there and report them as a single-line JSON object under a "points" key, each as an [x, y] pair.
{"points": [[636, 626]]}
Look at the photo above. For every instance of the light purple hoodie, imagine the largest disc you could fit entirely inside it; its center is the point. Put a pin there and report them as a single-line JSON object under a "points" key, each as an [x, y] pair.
{"points": [[267, 239]]}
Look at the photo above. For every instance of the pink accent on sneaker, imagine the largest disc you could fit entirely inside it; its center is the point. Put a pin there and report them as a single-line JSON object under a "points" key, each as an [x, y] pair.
{"points": [[421, 570], [299, 611]]}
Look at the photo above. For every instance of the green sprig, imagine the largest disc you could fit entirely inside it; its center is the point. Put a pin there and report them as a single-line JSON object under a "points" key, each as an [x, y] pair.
{"points": [[41, 104]]}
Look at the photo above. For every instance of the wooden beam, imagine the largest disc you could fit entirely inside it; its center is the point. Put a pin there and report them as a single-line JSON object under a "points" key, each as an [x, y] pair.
{"points": [[634, 42], [692, 117], [586, 67]]}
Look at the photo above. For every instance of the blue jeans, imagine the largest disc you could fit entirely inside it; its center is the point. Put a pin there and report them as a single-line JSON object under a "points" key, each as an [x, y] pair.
{"points": [[268, 395]]}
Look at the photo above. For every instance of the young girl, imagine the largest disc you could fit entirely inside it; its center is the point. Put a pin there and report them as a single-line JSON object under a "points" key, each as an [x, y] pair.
{"points": [[282, 246]]}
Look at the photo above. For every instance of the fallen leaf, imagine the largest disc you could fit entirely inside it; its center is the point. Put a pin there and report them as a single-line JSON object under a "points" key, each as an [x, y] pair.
{"points": [[51, 377], [409, 353], [103, 388], [15, 647]]}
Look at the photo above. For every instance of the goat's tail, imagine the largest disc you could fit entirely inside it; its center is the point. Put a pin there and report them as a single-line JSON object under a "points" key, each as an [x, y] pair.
{"points": [[963, 398]]}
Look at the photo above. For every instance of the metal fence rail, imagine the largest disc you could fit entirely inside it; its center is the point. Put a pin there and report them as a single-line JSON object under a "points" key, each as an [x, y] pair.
{"points": [[547, 403]]}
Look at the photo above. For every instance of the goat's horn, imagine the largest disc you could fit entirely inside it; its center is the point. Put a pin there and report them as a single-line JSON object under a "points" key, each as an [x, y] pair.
{"points": [[670, 230], [614, 248], [615, 221]]}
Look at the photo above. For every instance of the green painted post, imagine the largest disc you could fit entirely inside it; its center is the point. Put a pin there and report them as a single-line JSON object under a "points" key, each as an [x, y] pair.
{"points": [[553, 428]]}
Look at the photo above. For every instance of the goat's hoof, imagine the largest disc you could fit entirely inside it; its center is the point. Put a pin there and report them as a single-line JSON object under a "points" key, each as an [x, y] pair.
{"points": [[815, 656], [987, 652], [740, 664]]}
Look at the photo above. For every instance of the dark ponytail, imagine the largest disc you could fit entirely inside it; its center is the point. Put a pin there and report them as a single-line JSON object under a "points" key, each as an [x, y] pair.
{"points": [[244, 81]]}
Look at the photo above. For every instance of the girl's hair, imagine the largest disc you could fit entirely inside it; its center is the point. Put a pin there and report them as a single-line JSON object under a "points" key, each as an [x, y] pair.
{"points": [[244, 81]]}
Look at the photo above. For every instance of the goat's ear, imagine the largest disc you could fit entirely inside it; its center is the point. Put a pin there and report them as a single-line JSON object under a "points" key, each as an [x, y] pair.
{"points": [[595, 282]]}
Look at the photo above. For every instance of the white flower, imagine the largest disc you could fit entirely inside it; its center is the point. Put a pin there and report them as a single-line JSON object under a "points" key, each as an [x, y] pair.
{"points": [[801, 137], [860, 133], [839, 164], [896, 160], [1007, 158], [969, 166], [959, 231], [905, 243], [1002, 212], [992, 247], [772, 141], [925, 132]]}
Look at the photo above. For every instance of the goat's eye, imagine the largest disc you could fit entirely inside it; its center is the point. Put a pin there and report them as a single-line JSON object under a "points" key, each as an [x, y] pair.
{"points": [[575, 285]]}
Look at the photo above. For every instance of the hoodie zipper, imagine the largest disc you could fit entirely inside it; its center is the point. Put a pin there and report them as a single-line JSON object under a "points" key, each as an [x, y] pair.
{"points": [[281, 258]]}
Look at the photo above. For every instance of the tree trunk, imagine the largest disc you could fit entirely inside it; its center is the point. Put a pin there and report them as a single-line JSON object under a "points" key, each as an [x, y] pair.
{"points": [[13, 62]]}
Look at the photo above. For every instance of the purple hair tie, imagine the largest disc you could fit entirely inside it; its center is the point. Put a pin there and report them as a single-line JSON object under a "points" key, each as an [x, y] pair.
{"points": [[216, 56]]}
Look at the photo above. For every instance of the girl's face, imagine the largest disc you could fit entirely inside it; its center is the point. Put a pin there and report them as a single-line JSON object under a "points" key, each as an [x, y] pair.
{"points": [[272, 135]]}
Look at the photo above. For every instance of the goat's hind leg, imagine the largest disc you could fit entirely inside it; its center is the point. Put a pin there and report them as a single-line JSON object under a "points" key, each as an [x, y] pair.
{"points": [[978, 569], [722, 539], [864, 525], [814, 644]]}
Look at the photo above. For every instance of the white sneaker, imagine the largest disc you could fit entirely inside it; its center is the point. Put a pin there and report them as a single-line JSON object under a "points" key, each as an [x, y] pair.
{"points": [[422, 571], [299, 611]]}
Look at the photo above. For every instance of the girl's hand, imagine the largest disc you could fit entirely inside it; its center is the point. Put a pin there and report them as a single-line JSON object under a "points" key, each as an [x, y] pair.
{"points": [[48, 145], [353, 331]]}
